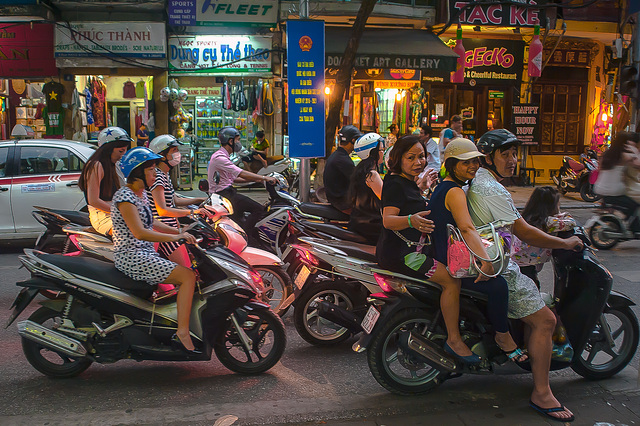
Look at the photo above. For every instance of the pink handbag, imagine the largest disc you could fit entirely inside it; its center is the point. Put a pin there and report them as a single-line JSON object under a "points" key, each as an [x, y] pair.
{"points": [[462, 262]]}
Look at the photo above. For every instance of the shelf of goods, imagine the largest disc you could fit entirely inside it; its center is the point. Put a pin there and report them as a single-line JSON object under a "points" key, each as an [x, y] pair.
{"points": [[185, 176]]}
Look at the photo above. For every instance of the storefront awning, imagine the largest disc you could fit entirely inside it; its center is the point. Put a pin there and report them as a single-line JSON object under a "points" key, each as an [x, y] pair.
{"points": [[382, 48]]}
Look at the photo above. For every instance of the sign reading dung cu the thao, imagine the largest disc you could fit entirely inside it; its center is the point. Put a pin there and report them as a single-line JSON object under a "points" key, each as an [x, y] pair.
{"points": [[220, 53], [305, 78]]}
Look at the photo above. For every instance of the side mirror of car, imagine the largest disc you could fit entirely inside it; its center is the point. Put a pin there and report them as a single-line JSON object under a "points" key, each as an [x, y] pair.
{"points": [[203, 185]]}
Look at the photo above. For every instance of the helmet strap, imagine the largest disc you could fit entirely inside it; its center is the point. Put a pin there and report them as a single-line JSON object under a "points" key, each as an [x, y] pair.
{"points": [[492, 167]]}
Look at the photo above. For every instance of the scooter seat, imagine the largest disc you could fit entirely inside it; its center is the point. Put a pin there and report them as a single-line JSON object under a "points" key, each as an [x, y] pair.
{"points": [[337, 232], [326, 211], [575, 165], [99, 270], [81, 218], [359, 251], [274, 158]]}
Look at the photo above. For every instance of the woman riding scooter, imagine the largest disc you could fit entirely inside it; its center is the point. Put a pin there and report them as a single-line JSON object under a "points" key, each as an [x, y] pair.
{"points": [[135, 231]]}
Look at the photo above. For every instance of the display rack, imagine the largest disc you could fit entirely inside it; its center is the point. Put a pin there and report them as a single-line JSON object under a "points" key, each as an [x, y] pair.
{"points": [[185, 176], [210, 118]]}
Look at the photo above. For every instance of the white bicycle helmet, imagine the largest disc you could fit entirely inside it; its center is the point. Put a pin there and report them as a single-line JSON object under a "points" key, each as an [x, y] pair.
{"points": [[162, 142], [366, 143], [113, 134]]}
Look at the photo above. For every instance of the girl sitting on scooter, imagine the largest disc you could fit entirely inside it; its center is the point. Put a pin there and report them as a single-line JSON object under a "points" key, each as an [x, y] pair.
{"points": [[135, 231], [448, 205], [403, 244], [542, 211], [99, 180]]}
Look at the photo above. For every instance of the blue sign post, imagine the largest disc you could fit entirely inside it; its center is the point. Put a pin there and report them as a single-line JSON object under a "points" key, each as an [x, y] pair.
{"points": [[305, 77]]}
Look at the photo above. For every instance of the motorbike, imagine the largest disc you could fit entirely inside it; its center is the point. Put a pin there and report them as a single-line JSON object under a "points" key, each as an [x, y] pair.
{"points": [[579, 176], [105, 316], [332, 281], [609, 226], [275, 164], [405, 334]]}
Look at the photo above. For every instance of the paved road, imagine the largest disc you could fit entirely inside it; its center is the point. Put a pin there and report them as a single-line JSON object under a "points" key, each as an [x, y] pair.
{"points": [[310, 384]]}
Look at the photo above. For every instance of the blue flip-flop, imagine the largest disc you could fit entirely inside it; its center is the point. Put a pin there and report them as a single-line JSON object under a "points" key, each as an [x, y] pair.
{"points": [[546, 412]]}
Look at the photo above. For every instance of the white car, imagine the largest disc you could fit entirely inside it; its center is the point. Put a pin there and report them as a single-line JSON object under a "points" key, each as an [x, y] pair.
{"points": [[42, 172]]}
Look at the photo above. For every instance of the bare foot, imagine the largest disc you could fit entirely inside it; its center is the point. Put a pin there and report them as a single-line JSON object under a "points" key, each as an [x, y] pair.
{"points": [[185, 339], [549, 401], [459, 347]]}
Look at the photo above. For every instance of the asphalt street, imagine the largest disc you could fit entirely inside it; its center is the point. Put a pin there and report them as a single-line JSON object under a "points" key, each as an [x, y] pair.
{"points": [[310, 385]]}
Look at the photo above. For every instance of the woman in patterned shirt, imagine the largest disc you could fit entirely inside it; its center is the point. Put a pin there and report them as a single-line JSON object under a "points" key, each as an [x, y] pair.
{"points": [[135, 231], [164, 204]]}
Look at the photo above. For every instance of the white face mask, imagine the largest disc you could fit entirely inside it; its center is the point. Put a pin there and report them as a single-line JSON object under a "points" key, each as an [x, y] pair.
{"points": [[175, 159]]}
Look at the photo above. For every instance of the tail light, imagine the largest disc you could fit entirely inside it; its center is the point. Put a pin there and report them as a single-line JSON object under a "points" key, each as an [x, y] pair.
{"points": [[257, 280], [389, 285], [306, 256]]}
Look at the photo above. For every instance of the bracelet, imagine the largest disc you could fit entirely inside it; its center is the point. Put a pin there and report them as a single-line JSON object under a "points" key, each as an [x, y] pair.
{"points": [[191, 211], [410, 225]]}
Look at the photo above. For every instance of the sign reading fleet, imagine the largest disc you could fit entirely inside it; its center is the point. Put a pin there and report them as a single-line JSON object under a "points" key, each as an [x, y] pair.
{"points": [[305, 77], [111, 39], [258, 13], [220, 53]]}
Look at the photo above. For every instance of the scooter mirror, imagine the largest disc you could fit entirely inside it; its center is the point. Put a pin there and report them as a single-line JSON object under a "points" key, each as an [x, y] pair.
{"points": [[216, 177], [203, 185]]}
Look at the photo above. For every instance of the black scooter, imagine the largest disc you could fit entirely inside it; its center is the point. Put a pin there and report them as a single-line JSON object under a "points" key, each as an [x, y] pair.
{"points": [[405, 348]]}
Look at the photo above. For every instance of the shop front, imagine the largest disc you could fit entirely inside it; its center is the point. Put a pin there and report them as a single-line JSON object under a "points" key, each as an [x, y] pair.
{"points": [[386, 85], [111, 74], [229, 82], [29, 76]]}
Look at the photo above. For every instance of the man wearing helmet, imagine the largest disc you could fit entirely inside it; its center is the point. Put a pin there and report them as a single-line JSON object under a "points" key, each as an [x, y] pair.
{"points": [[489, 201], [339, 168], [229, 173]]}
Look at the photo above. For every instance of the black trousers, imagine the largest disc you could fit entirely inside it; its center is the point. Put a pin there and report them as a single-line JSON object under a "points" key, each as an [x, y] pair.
{"points": [[628, 206], [241, 205]]}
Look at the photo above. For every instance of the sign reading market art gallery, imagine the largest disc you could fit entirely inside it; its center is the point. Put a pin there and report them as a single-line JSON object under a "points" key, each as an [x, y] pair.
{"points": [[253, 13], [111, 39], [219, 53]]}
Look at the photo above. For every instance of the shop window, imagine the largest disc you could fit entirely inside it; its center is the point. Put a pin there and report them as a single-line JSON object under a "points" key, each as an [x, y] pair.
{"points": [[562, 107], [43, 160]]}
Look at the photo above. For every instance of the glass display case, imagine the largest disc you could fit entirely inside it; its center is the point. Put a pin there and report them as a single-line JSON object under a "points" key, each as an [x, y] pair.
{"points": [[185, 175]]}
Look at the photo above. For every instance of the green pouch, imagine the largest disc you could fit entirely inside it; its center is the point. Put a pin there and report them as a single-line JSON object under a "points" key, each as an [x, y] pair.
{"points": [[415, 260]]}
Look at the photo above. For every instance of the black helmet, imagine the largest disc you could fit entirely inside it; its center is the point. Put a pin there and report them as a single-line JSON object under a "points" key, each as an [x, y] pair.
{"points": [[494, 139], [228, 134], [348, 134]]}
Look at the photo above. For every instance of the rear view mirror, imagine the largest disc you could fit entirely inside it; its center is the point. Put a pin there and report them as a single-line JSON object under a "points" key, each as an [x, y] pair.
{"points": [[216, 177], [203, 185]]}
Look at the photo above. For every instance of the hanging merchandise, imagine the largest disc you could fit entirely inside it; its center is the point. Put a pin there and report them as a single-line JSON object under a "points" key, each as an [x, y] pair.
{"points": [[457, 76], [251, 105], [129, 90], [259, 97], [54, 122], [242, 101], [141, 89], [535, 53], [268, 107], [226, 95], [87, 94], [176, 95], [235, 96], [53, 113], [99, 103]]}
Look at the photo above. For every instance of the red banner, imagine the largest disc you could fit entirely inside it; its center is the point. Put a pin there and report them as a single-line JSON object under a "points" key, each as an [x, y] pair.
{"points": [[26, 50]]}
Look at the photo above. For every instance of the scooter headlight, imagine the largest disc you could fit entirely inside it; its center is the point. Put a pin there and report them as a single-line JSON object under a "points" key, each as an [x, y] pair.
{"points": [[227, 205]]}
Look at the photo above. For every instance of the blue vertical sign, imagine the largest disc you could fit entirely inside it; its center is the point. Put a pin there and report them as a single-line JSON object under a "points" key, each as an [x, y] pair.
{"points": [[305, 77]]}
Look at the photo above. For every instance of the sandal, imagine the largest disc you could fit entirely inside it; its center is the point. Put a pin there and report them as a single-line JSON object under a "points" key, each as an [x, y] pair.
{"points": [[473, 359], [516, 355], [547, 412]]}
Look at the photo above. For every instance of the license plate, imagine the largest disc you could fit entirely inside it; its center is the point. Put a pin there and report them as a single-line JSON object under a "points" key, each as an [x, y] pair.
{"points": [[302, 277], [370, 319]]}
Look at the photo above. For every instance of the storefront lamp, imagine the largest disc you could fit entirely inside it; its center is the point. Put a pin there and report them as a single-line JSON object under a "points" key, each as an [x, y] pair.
{"points": [[604, 117], [327, 90]]}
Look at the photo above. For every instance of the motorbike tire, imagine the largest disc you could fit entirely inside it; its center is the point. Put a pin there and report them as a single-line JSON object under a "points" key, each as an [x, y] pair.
{"points": [[623, 353], [49, 362], [587, 194], [383, 353], [257, 325], [596, 234], [278, 287], [310, 326]]}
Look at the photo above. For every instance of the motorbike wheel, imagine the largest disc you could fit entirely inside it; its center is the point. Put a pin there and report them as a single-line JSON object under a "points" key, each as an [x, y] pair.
{"points": [[47, 361], [313, 328], [266, 331], [596, 233], [278, 287], [599, 360], [397, 371], [587, 194]]}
